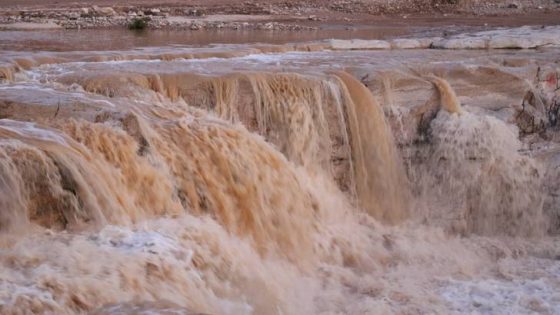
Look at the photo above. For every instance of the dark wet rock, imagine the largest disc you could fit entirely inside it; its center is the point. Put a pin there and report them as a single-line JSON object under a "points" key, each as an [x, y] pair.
{"points": [[531, 118]]}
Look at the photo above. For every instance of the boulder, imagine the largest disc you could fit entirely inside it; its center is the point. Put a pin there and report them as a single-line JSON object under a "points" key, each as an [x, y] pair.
{"points": [[85, 12], [104, 11], [407, 43], [343, 44]]}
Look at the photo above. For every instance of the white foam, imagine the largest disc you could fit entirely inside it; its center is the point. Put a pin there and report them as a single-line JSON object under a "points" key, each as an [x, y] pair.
{"points": [[502, 296], [28, 129], [124, 239]]}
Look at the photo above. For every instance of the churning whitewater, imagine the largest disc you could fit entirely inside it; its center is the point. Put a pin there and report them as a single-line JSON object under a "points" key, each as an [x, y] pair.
{"points": [[291, 179]]}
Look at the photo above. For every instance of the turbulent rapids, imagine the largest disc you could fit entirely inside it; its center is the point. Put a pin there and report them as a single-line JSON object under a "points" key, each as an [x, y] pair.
{"points": [[279, 179]]}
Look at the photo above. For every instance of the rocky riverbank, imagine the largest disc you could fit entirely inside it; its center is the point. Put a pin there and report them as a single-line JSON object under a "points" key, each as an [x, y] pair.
{"points": [[274, 15], [153, 18]]}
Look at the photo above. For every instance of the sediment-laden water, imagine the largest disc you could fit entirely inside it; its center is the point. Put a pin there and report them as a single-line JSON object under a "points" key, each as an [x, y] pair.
{"points": [[279, 179]]}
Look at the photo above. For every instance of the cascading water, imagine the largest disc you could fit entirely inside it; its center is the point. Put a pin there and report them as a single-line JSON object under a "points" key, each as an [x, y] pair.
{"points": [[473, 178], [252, 192]]}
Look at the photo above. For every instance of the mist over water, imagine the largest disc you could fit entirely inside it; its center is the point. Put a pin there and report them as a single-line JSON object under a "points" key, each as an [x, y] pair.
{"points": [[277, 180]]}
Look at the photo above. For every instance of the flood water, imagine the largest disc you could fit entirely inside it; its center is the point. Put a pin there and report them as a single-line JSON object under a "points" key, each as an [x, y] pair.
{"points": [[187, 173]]}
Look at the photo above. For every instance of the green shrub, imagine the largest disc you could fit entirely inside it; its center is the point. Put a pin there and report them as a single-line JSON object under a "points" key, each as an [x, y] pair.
{"points": [[138, 24]]}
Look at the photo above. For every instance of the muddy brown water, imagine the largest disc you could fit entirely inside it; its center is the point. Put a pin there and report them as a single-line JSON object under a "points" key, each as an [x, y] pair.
{"points": [[111, 39], [242, 178], [368, 28]]}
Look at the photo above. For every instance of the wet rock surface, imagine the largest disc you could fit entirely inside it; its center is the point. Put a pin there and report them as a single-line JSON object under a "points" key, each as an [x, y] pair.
{"points": [[526, 37]]}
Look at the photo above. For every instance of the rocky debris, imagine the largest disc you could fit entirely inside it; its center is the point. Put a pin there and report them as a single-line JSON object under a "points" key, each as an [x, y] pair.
{"points": [[378, 7], [299, 11], [155, 18], [152, 12], [384, 7], [531, 118], [540, 110], [194, 12]]}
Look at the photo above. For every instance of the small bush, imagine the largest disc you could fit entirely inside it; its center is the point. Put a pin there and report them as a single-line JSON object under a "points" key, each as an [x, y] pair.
{"points": [[138, 24]]}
